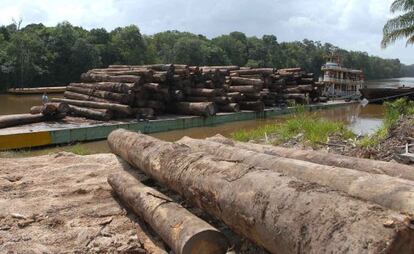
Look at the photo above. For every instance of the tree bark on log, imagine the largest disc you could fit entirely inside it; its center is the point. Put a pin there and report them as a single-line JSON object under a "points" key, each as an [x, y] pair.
{"points": [[243, 89], [125, 109], [184, 232], [238, 81], [280, 213], [119, 97], [96, 114], [83, 97], [205, 92], [196, 108], [107, 78], [50, 109], [147, 242], [109, 86], [21, 119], [396, 193], [262, 71], [370, 166], [231, 107]]}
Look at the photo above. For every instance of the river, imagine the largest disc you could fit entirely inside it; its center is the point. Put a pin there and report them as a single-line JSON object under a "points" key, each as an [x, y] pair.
{"points": [[361, 120]]}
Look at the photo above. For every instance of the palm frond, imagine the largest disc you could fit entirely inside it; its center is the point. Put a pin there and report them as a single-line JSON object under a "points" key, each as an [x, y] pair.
{"points": [[400, 22], [402, 5], [392, 36], [410, 40]]}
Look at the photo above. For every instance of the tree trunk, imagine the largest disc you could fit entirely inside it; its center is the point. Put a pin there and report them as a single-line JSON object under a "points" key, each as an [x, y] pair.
{"points": [[244, 89], [206, 92], [156, 87], [119, 97], [196, 108], [262, 71], [278, 212], [231, 107], [50, 109], [106, 78], [396, 193], [252, 105], [83, 97], [145, 113], [101, 105], [181, 230], [147, 242], [109, 86], [96, 114], [237, 81], [336, 160], [21, 119], [300, 89]]}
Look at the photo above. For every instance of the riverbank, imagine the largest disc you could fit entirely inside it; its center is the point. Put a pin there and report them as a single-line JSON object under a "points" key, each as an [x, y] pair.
{"points": [[305, 131]]}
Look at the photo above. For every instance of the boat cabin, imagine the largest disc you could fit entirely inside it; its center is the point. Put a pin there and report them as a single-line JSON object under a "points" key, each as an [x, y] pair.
{"points": [[340, 82]]}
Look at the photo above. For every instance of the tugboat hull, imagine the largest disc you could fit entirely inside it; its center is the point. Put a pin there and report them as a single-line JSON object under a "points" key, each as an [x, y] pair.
{"points": [[382, 94]]}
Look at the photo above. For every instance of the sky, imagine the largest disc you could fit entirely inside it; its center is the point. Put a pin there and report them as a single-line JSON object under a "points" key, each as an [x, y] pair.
{"points": [[349, 24]]}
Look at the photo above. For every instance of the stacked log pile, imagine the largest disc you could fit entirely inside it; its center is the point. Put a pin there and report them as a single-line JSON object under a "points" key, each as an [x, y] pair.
{"points": [[277, 202], [294, 84], [144, 91]]}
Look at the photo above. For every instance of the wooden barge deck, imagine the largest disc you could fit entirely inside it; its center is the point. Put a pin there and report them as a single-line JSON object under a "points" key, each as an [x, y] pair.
{"points": [[72, 129]]}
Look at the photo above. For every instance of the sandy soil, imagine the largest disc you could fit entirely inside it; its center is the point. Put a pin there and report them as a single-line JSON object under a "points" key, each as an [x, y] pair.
{"points": [[62, 203]]}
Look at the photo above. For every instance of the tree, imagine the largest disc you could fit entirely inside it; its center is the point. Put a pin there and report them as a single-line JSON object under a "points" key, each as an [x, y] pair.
{"points": [[130, 45], [401, 26]]}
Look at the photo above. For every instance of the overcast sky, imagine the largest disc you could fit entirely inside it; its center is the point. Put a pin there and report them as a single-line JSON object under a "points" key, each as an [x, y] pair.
{"points": [[350, 24]]}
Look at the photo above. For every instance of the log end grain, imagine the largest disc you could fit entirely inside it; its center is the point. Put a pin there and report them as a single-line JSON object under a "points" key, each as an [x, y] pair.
{"points": [[206, 242]]}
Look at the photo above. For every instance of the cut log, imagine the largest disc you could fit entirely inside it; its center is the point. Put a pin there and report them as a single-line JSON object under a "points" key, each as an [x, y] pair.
{"points": [[206, 92], [235, 96], [96, 114], [78, 96], [396, 193], [50, 109], [278, 212], [243, 89], [106, 78], [196, 108], [181, 230], [231, 107], [238, 81], [144, 113], [147, 241], [257, 106], [300, 89], [21, 119], [262, 71], [101, 105], [109, 86], [324, 158], [119, 97], [156, 87]]}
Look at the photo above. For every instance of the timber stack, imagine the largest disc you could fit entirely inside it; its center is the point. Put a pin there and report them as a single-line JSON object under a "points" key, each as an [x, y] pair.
{"points": [[145, 91], [264, 194]]}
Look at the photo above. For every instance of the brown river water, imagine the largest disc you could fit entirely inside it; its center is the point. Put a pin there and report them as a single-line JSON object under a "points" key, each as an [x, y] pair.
{"points": [[361, 120]]}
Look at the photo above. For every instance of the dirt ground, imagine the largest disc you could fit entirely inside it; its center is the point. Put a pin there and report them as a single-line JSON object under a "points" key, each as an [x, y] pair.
{"points": [[62, 203]]}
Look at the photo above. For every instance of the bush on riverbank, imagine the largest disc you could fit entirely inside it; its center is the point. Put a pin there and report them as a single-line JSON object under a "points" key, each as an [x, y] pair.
{"points": [[393, 111], [305, 127]]}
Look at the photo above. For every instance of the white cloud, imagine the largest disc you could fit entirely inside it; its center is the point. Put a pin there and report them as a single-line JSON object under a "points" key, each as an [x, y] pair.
{"points": [[351, 24]]}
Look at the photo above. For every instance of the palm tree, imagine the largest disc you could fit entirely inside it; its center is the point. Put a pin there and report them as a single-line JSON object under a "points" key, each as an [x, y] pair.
{"points": [[401, 26]]}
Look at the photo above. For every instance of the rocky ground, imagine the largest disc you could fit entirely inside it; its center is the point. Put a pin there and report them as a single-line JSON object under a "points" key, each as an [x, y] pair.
{"points": [[61, 203]]}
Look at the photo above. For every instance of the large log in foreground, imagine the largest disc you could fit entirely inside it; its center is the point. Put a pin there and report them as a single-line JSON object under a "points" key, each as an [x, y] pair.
{"points": [[181, 230], [125, 109], [50, 109], [395, 193], [280, 213], [324, 158], [20, 119]]}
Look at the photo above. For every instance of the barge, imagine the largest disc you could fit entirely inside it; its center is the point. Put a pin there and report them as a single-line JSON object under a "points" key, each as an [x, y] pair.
{"points": [[74, 129], [385, 93]]}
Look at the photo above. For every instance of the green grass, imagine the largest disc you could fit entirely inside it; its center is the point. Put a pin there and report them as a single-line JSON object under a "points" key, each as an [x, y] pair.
{"points": [[314, 130], [78, 149]]}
